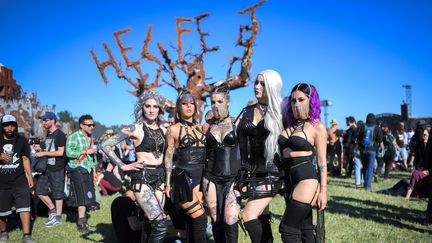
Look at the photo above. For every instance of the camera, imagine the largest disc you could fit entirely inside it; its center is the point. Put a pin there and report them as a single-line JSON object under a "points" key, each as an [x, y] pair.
{"points": [[34, 140]]}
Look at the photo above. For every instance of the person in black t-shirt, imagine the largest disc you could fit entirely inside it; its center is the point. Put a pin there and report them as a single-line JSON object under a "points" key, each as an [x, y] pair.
{"points": [[15, 177], [54, 177]]}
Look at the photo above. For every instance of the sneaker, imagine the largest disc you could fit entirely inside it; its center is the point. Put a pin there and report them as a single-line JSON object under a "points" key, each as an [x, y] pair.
{"points": [[56, 221], [83, 228], [51, 218], [28, 239], [4, 236]]}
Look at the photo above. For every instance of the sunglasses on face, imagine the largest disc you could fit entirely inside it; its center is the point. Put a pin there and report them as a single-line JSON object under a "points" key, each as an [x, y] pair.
{"points": [[89, 125]]}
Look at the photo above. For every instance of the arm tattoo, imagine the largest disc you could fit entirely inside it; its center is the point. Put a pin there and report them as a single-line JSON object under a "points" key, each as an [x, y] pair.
{"points": [[112, 155], [169, 154], [321, 168]]}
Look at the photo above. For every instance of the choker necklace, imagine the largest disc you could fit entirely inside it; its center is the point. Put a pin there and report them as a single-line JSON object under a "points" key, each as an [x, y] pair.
{"points": [[262, 108], [186, 123]]}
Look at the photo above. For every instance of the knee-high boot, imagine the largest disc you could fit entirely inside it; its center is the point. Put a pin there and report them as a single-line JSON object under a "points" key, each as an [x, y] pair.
{"points": [[146, 230], [231, 232], [218, 232], [267, 236], [197, 229], [290, 226], [254, 230], [307, 229], [159, 229]]}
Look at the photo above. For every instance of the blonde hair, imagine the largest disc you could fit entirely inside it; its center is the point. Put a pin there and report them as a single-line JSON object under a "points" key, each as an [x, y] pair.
{"points": [[273, 116]]}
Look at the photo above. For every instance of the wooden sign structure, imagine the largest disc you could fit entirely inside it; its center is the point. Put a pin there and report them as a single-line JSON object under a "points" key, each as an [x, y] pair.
{"points": [[192, 65]]}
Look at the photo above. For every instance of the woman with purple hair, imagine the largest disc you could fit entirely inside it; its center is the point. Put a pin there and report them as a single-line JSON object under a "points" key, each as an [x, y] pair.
{"points": [[304, 138]]}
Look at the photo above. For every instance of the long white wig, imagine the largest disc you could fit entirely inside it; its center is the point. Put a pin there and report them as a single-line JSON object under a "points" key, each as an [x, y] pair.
{"points": [[273, 116]]}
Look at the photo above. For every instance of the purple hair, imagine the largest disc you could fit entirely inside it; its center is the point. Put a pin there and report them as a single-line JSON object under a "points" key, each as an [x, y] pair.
{"points": [[314, 104]]}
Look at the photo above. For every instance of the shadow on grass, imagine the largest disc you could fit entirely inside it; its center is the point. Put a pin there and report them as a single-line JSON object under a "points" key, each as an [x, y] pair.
{"points": [[377, 212], [105, 230]]}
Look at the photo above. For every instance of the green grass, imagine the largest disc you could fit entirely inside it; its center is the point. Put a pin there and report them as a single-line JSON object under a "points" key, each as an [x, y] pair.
{"points": [[353, 215]]}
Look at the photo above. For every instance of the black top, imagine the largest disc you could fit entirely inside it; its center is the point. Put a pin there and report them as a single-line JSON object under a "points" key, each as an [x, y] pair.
{"points": [[223, 158], [12, 173], [153, 142], [56, 163], [189, 151], [252, 142], [295, 142]]}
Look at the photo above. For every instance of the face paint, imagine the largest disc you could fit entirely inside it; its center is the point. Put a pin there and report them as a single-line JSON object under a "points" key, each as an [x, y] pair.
{"points": [[187, 98], [219, 106], [300, 105], [301, 111]]}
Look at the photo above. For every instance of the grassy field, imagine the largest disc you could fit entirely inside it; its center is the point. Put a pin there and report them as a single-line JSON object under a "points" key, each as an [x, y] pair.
{"points": [[353, 215]]}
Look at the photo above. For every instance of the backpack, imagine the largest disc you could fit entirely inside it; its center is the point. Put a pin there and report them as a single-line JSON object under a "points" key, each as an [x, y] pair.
{"points": [[369, 138]]}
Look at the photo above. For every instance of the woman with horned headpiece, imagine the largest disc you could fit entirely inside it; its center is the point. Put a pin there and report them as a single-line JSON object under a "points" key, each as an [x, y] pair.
{"points": [[187, 140], [304, 138], [147, 174], [222, 167], [258, 131]]}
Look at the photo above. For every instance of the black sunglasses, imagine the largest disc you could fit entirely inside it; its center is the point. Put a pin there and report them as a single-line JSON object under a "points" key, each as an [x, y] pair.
{"points": [[89, 125]]}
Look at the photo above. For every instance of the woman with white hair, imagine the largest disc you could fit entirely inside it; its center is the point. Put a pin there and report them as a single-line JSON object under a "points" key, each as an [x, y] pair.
{"points": [[147, 174], [258, 132]]}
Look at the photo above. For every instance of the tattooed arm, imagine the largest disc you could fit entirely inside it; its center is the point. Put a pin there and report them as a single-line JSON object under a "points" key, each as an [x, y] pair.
{"points": [[168, 161], [108, 144], [321, 147]]}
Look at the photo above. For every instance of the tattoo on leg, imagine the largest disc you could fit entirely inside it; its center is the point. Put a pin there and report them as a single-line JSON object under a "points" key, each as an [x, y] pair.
{"points": [[150, 204]]}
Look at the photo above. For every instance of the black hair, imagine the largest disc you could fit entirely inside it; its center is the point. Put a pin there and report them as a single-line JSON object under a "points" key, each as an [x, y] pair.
{"points": [[84, 117]]}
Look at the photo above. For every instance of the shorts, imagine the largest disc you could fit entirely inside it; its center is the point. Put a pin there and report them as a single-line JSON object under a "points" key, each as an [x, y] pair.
{"points": [[20, 196], [402, 154], [51, 181], [83, 186]]}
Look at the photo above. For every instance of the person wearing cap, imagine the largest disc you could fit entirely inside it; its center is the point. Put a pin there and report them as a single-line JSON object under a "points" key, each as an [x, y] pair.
{"points": [[81, 151], [15, 177], [53, 179]]}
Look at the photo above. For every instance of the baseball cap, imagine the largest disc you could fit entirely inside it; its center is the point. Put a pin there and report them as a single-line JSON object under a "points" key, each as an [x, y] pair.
{"points": [[8, 118], [48, 115], [333, 122]]}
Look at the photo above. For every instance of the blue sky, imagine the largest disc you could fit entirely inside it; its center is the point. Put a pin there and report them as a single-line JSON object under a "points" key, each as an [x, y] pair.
{"points": [[357, 53]]}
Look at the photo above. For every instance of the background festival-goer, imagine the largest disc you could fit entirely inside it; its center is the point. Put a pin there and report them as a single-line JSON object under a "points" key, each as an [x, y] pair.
{"points": [[53, 179], [258, 131], [81, 151], [15, 177], [305, 136]]}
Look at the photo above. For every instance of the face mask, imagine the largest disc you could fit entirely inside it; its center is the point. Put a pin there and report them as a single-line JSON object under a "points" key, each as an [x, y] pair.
{"points": [[301, 111], [220, 111]]}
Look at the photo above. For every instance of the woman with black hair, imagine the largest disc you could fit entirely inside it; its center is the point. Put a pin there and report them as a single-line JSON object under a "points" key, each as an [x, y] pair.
{"points": [[223, 165], [187, 140]]}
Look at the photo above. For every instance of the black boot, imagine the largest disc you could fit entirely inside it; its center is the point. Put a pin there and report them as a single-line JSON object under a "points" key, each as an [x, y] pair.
{"points": [[231, 232], [197, 229], [307, 228], [254, 230], [267, 236], [218, 232], [159, 229], [290, 234], [146, 230]]}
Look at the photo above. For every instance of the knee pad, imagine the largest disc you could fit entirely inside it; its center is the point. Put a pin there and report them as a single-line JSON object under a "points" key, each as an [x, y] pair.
{"points": [[295, 213]]}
